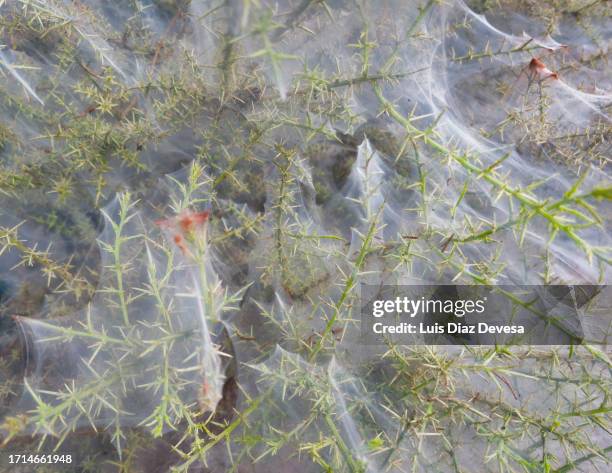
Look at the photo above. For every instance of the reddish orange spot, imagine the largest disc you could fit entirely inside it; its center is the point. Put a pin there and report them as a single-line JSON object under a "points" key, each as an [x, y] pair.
{"points": [[183, 226], [539, 68], [189, 220], [536, 64], [178, 239]]}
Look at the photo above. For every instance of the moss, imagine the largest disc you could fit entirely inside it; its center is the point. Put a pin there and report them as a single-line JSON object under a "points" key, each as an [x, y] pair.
{"points": [[6, 137]]}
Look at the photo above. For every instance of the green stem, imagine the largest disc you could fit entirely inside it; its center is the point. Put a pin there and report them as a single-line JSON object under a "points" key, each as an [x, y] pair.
{"points": [[528, 201], [354, 466], [348, 286]]}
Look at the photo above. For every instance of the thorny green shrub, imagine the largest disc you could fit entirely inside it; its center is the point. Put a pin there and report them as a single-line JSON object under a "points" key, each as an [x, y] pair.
{"points": [[311, 146]]}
